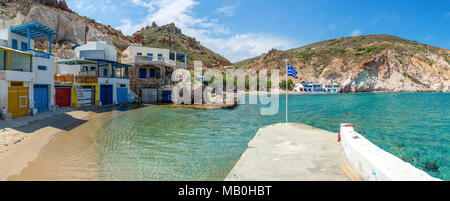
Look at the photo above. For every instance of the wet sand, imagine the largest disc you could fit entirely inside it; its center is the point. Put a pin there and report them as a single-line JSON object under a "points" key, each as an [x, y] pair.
{"points": [[21, 145], [61, 147]]}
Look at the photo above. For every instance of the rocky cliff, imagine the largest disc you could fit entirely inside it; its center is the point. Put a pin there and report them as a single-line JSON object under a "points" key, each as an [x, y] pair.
{"points": [[371, 63], [72, 28]]}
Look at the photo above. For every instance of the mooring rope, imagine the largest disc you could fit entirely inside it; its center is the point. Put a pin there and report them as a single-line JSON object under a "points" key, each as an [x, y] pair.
{"points": [[409, 138]]}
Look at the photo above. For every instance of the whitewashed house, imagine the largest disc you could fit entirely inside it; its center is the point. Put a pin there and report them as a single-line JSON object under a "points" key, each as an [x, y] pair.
{"points": [[26, 74], [97, 77]]}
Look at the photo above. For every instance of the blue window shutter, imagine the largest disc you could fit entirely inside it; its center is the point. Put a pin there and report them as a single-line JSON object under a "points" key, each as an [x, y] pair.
{"points": [[24, 46], [143, 73], [42, 67], [139, 54], [152, 73], [105, 72], [14, 44]]}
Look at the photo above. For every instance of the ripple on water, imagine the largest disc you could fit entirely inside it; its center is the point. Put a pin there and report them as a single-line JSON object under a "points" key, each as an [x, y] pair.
{"points": [[160, 143]]}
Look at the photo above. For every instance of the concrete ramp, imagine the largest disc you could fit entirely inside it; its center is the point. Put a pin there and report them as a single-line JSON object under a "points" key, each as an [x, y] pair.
{"points": [[291, 152]]}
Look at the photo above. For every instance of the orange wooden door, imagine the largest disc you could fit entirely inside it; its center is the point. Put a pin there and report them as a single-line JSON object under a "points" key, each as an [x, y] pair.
{"points": [[18, 101]]}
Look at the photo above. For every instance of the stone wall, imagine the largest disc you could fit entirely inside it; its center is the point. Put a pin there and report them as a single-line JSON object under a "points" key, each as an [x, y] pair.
{"points": [[137, 84]]}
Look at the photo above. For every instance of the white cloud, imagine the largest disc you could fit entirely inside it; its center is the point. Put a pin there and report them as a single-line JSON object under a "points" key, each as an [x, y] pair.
{"points": [[244, 46], [227, 10], [356, 32], [209, 32]]}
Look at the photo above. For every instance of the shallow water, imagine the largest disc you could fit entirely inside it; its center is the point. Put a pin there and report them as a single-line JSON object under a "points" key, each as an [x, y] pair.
{"points": [[160, 143]]}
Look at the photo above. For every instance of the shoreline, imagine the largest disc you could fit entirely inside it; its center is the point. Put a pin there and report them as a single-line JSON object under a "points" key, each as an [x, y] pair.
{"points": [[23, 144], [329, 93]]}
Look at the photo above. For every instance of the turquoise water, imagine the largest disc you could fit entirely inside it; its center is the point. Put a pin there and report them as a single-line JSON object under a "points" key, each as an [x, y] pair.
{"points": [[160, 143]]}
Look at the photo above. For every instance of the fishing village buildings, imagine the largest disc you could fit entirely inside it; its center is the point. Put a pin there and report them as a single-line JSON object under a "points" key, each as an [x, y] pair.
{"points": [[151, 70], [92, 77], [26, 74], [34, 81], [316, 87]]}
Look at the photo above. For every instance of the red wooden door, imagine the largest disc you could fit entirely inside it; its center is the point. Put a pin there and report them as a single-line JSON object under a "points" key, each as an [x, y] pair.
{"points": [[63, 97]]}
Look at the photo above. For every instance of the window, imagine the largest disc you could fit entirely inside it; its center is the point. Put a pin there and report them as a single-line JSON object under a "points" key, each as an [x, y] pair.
{"points": [[152, 73], [143, 73], [17, 84], [84, 69], [42, 67], [105, 72], [14, 44], [150, 56], [139, 53], [160, 56], [23, 46]]}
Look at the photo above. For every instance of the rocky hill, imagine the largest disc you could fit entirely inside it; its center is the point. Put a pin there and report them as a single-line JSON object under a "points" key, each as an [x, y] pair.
{"points": [[171, 37], [370, 63], [74, 29]]}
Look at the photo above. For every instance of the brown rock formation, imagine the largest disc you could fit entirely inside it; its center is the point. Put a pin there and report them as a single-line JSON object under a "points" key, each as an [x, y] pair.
{"points": [[365, 64]]}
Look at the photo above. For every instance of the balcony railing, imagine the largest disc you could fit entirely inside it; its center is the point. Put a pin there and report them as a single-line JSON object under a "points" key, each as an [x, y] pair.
{"points": [[40, 54], [146, 60], [69, 78]]}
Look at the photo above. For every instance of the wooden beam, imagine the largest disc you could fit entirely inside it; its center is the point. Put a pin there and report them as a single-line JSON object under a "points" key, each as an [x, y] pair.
{"points": [[349, 173]]}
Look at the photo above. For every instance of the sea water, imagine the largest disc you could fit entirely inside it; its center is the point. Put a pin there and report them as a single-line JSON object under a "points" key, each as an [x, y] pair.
{"points": [[160, 143]]}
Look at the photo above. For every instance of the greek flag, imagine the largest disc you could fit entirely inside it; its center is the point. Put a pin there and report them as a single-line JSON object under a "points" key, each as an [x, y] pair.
{"points": [[291, 71]]}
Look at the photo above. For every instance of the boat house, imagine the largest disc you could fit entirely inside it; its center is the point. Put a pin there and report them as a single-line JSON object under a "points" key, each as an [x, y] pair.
{"points": [[26, 74], [151, 70], [93, 77]]}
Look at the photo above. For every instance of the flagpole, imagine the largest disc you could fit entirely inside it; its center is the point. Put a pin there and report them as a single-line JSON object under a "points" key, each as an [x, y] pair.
{"points": [[287, 88]]}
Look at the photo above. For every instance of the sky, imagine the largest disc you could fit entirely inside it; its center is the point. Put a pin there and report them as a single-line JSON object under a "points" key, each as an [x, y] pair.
{"points": [[241, 29]]}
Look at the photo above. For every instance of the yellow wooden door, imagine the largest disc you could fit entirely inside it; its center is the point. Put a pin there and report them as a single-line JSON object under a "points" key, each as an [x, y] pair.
{"points": [[18, 101]]}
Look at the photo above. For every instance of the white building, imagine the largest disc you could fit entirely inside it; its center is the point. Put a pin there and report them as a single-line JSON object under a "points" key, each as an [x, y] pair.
{"points": [[165, 56], [315, 87], [98, 78], [26, 74]]}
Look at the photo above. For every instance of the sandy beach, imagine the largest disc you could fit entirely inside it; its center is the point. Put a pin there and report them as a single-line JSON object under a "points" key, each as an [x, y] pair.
{"points": [[24, 139]]}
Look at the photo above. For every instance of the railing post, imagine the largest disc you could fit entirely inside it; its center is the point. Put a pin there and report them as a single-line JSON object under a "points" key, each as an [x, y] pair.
{"points": [[29, 40], [50, 44]]}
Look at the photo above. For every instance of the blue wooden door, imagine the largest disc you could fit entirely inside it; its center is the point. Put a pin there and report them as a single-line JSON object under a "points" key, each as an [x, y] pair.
{"points": [[106, 94], [166, 96], [41, 98], [122, 95]]}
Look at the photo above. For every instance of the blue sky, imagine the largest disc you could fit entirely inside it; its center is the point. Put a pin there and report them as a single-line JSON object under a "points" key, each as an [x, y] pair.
{"points": [[247, 28]]}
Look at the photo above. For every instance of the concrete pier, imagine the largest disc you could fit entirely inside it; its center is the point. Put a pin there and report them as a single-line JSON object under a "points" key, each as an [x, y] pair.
{"points": [[292, 152]]}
